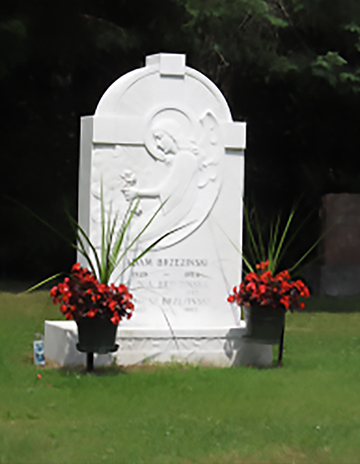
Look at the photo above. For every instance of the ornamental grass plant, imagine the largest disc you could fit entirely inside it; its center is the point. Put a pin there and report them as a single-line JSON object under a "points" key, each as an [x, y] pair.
{"points": [[91, 293], [264, 251], [269, 240], [304, 413], [115, 244]]}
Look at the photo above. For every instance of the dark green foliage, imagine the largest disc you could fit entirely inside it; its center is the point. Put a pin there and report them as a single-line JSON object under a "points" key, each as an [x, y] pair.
{"points": [[290, 68]]}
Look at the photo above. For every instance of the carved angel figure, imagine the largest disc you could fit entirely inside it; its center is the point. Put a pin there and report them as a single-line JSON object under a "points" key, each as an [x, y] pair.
{"points": [[190, 166]]}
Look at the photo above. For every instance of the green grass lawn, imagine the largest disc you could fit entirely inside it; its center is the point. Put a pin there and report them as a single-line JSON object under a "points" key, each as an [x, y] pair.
{"points": [[308, 411]]}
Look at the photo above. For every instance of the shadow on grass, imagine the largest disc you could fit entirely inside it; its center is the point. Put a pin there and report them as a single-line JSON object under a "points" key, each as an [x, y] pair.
{"points": [[101, 371], [115, 369], [333, 304]]}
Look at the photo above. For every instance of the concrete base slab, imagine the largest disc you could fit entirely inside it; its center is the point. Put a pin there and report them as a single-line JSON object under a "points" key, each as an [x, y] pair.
{"points": [[222, 347]]}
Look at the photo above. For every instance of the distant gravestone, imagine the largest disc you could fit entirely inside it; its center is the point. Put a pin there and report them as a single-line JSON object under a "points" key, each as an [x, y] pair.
{"points": [[164, 134], [340, 272]]}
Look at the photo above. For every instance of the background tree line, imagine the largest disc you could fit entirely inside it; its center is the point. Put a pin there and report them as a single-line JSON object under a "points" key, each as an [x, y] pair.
{"points": [[289, 68]]}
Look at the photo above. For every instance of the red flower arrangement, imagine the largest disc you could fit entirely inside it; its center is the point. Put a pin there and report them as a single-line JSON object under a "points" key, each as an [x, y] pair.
{"points": [[82, 295], [262, 288]]}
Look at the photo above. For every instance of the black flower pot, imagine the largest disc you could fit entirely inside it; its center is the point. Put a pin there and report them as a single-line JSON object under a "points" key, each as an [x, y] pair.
{"points": [[96, 335], [264, 324]]}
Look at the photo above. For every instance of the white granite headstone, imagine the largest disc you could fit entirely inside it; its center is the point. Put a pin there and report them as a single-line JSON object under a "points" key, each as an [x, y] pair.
{"points": [[164, 134]]}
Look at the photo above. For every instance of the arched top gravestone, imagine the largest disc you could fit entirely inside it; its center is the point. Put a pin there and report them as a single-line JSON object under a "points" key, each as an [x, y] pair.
{"points": [[164, 134]]}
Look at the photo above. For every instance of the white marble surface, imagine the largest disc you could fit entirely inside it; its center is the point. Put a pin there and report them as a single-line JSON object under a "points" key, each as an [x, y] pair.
{"points": [[164, 133], [221, 347], [60, 342]]}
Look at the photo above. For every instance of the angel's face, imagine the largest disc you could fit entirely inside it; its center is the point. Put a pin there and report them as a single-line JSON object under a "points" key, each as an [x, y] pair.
{"points": [[164, 142]]}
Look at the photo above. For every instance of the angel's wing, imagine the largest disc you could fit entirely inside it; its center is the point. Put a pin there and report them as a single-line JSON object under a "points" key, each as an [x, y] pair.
{"points": [[210, 149]]}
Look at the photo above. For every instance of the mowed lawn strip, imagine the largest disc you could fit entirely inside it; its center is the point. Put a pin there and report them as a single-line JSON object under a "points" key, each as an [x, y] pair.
{"points": [[308, 411]]}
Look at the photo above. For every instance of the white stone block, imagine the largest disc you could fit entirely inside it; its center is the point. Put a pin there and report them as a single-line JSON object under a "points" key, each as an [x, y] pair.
{"points": [[61, 338], [164, 134], [221, 347], [168, 64]]}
